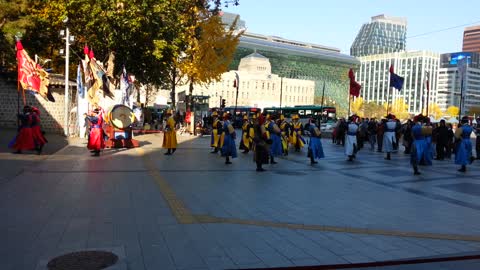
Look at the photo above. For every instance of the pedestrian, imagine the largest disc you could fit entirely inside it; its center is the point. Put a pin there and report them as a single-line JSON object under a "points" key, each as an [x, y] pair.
{"points": [[228, 149], [380, 132], [315, 149], [407, 137], [372, 133], [170, 134], [441, 134], [463, 153], [96, 140], [351, 147], [389, 137]]}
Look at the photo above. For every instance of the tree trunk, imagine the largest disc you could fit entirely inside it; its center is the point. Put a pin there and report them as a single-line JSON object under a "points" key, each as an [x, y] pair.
{"points": [[172, 93], [190, 95]]}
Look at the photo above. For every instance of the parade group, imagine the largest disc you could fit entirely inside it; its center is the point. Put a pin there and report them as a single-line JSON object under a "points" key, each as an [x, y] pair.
{"points": [[269, 136]]}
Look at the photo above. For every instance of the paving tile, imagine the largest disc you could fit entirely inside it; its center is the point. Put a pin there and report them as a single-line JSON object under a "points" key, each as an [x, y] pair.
{"points": [[242, 256]]}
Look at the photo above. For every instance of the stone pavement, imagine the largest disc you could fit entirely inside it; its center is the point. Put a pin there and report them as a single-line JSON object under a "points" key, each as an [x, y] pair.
{"points": [[191, 211]]}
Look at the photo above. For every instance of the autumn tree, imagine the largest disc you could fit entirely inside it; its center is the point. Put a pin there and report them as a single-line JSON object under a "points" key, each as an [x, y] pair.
{"points": [[434, 110], [400, 108], [452, 111], [356, 106]]}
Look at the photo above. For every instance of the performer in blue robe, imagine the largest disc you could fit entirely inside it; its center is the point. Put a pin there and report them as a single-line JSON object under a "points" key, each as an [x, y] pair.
{"points": [[274, 134], [315, 149], [420, 147], [228, 149], [463, 154]]}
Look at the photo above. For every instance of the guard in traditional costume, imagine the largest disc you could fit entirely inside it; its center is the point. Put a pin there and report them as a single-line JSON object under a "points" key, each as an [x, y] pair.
{"points": [[217, 133], [247, 135], [37, 133], [420, 149], [315, 149], [261, 143], [296, 138], [274, 133], [285, 131], [170, 134], [228, 148], [389, 138], [96, 140], [463, 145], [351, 147], [24, 140]]}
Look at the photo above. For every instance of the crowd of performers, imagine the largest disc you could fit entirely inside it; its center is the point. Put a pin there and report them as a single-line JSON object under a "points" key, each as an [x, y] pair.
{"points": [[268, 136], [423, 140], [30, 135]]}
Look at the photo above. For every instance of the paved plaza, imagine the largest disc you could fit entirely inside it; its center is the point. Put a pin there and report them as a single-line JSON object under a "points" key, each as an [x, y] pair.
{"points": [[191, 211]]}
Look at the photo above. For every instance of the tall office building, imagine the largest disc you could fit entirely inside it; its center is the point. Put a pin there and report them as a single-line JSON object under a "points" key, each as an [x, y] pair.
{"points": [[450, 81], [384, 34], [414, 66], [471, 39]]}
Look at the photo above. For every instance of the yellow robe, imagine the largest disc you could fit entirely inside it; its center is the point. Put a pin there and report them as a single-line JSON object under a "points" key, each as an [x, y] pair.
{"points": [[217, 138], [170, 134]]}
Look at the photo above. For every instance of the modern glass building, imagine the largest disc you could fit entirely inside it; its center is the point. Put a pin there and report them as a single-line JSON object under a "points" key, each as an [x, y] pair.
{"points": [[303, 61], [450, 80], [414, 66], [384, 34]]}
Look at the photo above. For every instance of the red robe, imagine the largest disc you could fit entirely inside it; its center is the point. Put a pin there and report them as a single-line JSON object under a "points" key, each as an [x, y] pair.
{"points": [[96, 140]]}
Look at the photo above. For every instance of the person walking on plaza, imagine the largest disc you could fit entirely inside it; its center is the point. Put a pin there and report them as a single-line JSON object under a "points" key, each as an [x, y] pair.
{"points": [[24, 140], [217, 134], [260, 142], [351, 138], [315, 149], [463, 153], [389, 137], [170, 134], [274, 133], [96, 140], [419, 147], [296, 138], [372, 133], [228, 149], [441, 134], [380, 131], [247, 135], [407, 137]]}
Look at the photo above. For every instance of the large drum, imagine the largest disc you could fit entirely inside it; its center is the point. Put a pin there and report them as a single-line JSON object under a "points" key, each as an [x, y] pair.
{"points": [[120, 116]]}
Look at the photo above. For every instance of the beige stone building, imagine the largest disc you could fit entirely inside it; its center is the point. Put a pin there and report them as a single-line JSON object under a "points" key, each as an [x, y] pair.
{"points": [[258, 86]]}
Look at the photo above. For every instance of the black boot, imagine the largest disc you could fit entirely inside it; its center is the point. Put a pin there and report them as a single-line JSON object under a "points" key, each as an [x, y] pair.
{"points": [[415, 170], [173, 150], [350, 158], [168, 153], [463, 168], [97, 153], [259, 167], [388, 156], [215, 151], [272, 160], [227, 160]]}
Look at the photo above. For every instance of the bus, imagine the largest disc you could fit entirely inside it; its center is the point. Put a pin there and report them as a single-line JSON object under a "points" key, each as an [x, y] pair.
{"points": [[237, 115], [323, 114]]}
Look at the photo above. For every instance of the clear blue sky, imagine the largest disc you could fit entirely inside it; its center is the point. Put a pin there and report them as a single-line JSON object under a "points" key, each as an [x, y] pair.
{"points": [[336, 23]]}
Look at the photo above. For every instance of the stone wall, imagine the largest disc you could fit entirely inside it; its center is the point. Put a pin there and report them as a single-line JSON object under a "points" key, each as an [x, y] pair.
{"points": [[51, 113]]}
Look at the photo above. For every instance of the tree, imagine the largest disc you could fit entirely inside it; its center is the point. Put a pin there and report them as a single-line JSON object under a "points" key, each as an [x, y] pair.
{"points": [[475, 110], [452, 111], [435, 111], [356, 106], [400, 108]]}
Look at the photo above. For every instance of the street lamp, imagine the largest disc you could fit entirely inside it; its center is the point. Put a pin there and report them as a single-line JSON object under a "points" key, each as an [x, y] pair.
{"points": [[236, 85], [65, 34]]}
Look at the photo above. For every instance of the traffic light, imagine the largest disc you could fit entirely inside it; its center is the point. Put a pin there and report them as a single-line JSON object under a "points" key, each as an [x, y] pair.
{"points": [[222, 104]]}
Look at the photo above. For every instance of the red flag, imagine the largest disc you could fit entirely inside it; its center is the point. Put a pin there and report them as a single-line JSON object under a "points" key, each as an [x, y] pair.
{"points": [[354, 86], [31, 75]]}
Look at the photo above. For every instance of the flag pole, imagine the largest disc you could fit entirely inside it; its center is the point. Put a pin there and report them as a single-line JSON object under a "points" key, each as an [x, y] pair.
{"points": [[428, 93], [388, 99]]}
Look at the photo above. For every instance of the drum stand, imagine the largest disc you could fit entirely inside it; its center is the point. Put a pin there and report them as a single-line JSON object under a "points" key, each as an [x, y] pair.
{"points": [[120, 138]]}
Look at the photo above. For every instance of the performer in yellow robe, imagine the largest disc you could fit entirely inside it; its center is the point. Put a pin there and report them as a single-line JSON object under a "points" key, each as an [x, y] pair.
{"points": [[247, 135], [296, 138], [285, 128], [170, 134], [217, 133]]}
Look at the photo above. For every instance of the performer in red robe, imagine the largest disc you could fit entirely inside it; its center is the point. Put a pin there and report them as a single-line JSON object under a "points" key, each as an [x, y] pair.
{"points": [[24, 139], [96, 141], [37, 133]]}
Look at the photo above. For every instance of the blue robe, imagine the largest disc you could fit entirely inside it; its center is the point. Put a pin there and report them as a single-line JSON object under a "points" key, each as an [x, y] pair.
{"points": [[276, 147], [228, 148], [315, 145], [420, 147], [464, 147]]}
